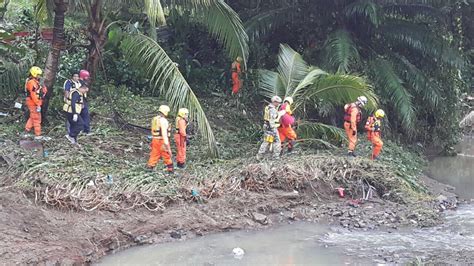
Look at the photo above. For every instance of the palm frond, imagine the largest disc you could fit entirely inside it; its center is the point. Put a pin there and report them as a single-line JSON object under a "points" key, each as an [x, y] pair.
{"points": [[339, 89], [415, 10], [421, 39], [292, 68], [430, 91], [312, 130], [225, 25], [164, 75], [270, 83], [10, 79], [341, 51], [268, 21], [365, 9], [310, 78], [43, 10], [155, 12], [392, 89]]}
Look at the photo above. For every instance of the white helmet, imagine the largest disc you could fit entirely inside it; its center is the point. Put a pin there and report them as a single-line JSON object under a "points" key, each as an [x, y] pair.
{"points": [[362, 100], [276, 99], [288, 99], [164, 109]]}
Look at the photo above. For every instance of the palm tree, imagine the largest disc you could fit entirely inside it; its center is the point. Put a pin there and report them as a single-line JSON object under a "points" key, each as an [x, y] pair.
{"points": [[221, 21], [52, 61], [312, 86], [394, 42]]}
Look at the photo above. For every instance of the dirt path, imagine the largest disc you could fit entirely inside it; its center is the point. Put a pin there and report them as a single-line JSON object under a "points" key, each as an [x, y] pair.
{"points": [[33, 233]]}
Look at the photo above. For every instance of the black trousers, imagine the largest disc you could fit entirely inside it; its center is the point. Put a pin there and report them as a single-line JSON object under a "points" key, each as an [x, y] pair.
{"points": [[75, 127]]}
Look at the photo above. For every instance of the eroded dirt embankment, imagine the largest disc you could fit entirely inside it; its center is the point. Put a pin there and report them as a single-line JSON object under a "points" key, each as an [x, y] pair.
{"points": [[250, 197]]}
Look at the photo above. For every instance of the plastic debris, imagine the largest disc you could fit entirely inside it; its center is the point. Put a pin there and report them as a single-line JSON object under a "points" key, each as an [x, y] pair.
{"points": [[238, 253], [340, 190]]}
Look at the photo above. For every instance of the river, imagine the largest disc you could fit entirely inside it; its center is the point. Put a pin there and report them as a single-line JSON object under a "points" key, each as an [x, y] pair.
{"points": [[314, 244]]}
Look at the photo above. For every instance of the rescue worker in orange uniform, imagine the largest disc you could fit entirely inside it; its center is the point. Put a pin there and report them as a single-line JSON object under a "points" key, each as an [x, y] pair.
{"points": [[180, 137], [285, 131], [236, 70], [374, 128], [160, 144], [35, 93], [353, 116]]}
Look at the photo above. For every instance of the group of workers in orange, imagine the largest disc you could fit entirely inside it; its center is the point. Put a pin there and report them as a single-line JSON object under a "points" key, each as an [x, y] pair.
{"points": [[373, 126], [77, 114], [75, 106], [161, 134], [279, 120]]}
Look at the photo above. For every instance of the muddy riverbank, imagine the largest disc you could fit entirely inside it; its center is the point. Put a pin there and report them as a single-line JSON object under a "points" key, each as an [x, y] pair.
{"points": [[37, 233]]}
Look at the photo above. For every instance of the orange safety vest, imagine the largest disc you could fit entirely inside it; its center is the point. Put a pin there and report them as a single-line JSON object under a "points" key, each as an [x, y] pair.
{"points": [[34, 94], [373, 126], [348, 111], [156, 128], [177, 123]]}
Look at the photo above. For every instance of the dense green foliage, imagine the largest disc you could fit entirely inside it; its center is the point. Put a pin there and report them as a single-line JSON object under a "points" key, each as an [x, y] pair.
{"points": [[412, 58]]}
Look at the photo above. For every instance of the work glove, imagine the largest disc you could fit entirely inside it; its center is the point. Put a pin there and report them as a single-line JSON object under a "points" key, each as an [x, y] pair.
{"points": [[75, 117], [38, 109], [354, 133]]}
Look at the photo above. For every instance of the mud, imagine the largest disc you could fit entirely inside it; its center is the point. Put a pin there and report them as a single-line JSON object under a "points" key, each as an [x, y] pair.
{"points": [[39, 234]]}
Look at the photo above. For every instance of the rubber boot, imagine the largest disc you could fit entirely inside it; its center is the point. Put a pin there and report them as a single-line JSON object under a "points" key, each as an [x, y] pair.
{"points": [[351, 154]]}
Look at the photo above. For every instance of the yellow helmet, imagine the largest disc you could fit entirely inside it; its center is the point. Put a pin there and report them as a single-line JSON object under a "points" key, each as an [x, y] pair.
{"points": [[164, 109], [36, 72], [379, 113], [289, 100], [238, 59], [182, 112]]}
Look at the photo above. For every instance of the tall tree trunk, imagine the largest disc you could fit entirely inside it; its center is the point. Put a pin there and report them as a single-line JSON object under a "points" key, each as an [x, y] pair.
{"points": [[97, 37], [52, 62]]}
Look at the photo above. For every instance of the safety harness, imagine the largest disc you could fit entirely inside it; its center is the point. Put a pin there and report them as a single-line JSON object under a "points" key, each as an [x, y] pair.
{"points": [[267, 118], [156, 128], [348, 111], [373, 126], [177, 123], [37, 89]]}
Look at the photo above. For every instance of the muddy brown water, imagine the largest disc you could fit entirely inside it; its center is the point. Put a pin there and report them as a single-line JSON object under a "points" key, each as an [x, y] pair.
{"points": [[315, 244]]}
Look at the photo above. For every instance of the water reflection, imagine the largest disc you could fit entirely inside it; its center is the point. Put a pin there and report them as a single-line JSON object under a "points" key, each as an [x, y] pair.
{"points": [[457, 171]]}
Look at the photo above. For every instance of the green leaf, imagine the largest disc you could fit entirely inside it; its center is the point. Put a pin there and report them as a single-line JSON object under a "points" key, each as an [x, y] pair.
{"points": [[291, 68], [430, 91], [421, 39], [392, 89], [311, 130], [165, 76], [338, 89], [341, 52], [225, 25], [365, 9], [267, 21]]}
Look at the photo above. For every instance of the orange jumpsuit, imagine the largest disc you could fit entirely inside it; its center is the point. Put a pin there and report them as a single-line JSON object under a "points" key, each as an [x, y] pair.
{"points": [[373, 127], [160, 145], [34, 100], [180, 140], [236, 82], [286, 131], [352, 116]]}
